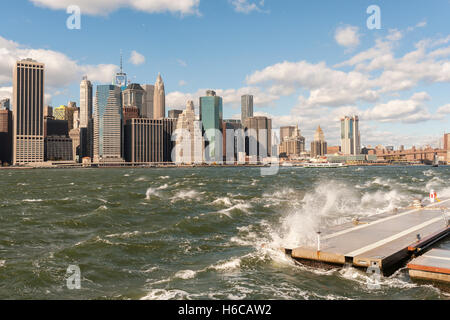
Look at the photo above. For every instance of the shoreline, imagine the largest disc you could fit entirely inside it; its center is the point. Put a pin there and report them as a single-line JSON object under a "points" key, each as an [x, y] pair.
{"points": [[198, 166]]}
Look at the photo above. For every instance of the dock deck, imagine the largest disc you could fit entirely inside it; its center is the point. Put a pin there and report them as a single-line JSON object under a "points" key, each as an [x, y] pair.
{"points": [[382, 241], [434, 265]]}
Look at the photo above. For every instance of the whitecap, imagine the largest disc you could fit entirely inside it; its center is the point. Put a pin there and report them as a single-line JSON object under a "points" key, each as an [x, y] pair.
{"points": [[151, 192], [163, 294], [185, 274]]}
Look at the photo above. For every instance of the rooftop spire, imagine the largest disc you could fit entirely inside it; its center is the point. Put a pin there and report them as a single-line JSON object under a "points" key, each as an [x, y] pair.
{"points": [[121, 61]]}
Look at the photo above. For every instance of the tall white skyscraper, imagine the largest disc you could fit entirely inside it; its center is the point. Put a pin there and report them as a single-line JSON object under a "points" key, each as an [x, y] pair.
{"points": [[185, 151], [85, 102], [159, 99], [350, 136]]}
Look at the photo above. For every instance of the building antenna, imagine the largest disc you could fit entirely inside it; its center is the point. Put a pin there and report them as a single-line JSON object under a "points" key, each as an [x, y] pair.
{"points": [[121, 61]]}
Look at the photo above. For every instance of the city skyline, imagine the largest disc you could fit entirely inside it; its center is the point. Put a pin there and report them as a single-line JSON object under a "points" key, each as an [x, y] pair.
{"points": [[352, 64]]}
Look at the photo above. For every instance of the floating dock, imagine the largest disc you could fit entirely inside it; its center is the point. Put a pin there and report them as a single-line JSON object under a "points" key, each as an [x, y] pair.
{"points": [[383, 241], [434, 266]]}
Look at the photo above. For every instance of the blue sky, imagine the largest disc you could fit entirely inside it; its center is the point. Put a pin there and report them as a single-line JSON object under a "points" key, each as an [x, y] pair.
{"points": [[306, 62]]}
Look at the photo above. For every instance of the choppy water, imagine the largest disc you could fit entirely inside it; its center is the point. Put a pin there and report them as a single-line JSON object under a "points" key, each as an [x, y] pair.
{"points": [[206, 233]]}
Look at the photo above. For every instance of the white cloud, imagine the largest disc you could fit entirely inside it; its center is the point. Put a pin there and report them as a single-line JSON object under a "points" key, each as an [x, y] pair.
{"points": [[137, 58], [444, 109], [60, 70], [6, 92], [247, 6], [412, 110], [326, 86], [105, 7], [182, 83], [347, 36], [231, 97]]}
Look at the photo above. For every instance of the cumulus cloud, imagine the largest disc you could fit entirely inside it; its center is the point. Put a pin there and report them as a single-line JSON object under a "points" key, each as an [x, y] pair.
{"points": [[137, 58], [105, 7], [60, 70], [231, 97], [412, 110], [326, 85], [347, 36], [444, 109], [247, 6]]}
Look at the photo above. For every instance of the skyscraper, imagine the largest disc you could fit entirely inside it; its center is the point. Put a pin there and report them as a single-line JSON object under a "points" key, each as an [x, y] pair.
{"points": [[85, 102], [319, 146], [211, 115], [258, 137], [147, 101], [185, 151], [350, 136], [28, 102], [246, 107], [287, 132], [144, 141], [121, 79], [132, 101], [133, 96], [5, 136], [292, 142], [107, 124], [159, 99]]}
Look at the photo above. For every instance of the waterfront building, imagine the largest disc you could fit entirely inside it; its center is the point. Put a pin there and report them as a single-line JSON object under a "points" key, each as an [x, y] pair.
{"points": [[86, 102], [6, 130], [233, 140], [159, 99], [199, 142], [5, 104], [169, 127], [246, 107], [144, 141], [350, 136], [319, 145], [418, 155], [211, 115], [184, 144], [292, 144], [174, 113], [58, 148], [28, 112], [107, 124], [258, 138], [147, 101]]}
